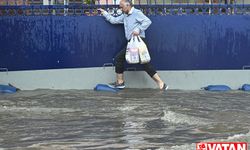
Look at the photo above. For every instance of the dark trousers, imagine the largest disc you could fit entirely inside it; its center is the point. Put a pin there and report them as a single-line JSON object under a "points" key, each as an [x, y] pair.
{"points": [[120, 59]]}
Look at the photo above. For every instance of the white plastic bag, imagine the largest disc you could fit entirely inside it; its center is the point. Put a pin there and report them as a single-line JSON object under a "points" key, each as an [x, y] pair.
{"points": [[132, 51], [143, 52]]}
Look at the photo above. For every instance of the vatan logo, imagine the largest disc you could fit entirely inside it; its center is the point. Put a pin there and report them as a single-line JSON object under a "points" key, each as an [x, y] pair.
{"points": [[221, 146]]}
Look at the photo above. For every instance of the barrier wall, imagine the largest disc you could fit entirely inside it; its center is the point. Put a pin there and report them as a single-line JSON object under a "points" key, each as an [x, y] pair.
{"points": [[186, 42]]}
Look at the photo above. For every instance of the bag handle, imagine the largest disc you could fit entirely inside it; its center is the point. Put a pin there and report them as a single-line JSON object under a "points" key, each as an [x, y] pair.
{"points": [[139, 38], [132, 39]]}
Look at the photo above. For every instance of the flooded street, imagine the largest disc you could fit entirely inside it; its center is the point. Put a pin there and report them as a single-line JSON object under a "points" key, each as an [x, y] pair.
{"points": [[129, 119]]}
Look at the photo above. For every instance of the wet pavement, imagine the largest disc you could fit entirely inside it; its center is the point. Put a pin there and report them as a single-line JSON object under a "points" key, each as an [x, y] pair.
{"points": [[129, 119]]}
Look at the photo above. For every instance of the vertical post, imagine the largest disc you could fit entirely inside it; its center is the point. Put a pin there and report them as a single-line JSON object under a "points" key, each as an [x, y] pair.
{"points": [[98, 1], [24, 3], [148, 9], [82, 8], [155, 8], [210, 5], [180, 8], [164, 8], [235, 7], [32, 7], [243, 7], [49, 7], [15, 10], [187, 9], [91, 7], [65, 3], [171, 9]]}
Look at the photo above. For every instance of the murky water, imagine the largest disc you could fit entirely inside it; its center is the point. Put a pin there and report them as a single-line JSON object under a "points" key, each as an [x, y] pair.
{"points": [[129, 119]]}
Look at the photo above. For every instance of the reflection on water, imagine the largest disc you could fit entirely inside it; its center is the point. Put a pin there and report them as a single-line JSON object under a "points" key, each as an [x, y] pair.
{"points": [[129, 119]]}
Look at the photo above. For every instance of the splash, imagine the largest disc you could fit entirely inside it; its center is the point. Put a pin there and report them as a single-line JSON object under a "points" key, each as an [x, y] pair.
{"points": [[177, 118]]}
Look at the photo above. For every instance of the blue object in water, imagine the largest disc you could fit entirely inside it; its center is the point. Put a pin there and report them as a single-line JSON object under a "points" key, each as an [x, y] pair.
{"points": [[7, 89], [245, 87], [217, 88], [104, 87]]}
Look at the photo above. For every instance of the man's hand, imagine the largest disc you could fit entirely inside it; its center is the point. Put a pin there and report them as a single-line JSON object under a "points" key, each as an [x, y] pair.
{"points": [[135, 33], [101, 10]]}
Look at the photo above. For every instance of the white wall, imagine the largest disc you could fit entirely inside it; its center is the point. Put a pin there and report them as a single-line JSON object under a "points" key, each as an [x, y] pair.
{"points": [[87, 78]]}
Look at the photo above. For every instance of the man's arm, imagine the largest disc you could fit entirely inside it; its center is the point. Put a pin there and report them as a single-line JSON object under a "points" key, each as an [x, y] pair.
{"points": [[110, 18], [145, 23]]}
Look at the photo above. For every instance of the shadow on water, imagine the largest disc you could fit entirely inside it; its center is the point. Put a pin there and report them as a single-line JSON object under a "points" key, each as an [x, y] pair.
{"points": [[129, 119]]}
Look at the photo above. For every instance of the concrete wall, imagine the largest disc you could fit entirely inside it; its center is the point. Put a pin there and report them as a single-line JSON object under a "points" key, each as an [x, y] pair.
{"points": [[87, 78]]}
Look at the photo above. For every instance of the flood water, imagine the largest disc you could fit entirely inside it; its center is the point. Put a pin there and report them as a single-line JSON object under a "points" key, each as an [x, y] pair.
{"points": [[129, 119]]}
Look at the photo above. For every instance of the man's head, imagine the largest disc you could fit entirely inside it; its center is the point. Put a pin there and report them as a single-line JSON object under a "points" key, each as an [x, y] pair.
{"points": [[126, 5]]}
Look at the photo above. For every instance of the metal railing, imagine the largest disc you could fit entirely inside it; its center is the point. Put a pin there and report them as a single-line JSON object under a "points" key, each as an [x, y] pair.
{"points": [[149, 7]]}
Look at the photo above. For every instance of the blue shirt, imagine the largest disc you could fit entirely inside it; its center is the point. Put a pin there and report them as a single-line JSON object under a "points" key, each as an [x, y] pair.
{"points": [[135, 20]]}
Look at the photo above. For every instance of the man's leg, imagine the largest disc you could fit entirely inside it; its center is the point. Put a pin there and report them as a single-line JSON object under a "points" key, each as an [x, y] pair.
{"points": [[119, 78], [158, 80], [154, 75], [119, 66]]}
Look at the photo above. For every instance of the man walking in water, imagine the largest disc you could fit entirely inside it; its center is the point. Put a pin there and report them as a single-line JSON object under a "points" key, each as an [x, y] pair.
{"points": [[135, 24]]}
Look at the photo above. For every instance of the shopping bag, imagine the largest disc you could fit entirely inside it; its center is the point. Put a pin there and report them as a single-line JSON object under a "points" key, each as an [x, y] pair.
{"points": [[143, 51], [132, 52]]}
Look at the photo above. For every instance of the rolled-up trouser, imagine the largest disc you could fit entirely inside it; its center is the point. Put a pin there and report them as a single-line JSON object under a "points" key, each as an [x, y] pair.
{"points": [[120, 59]]}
